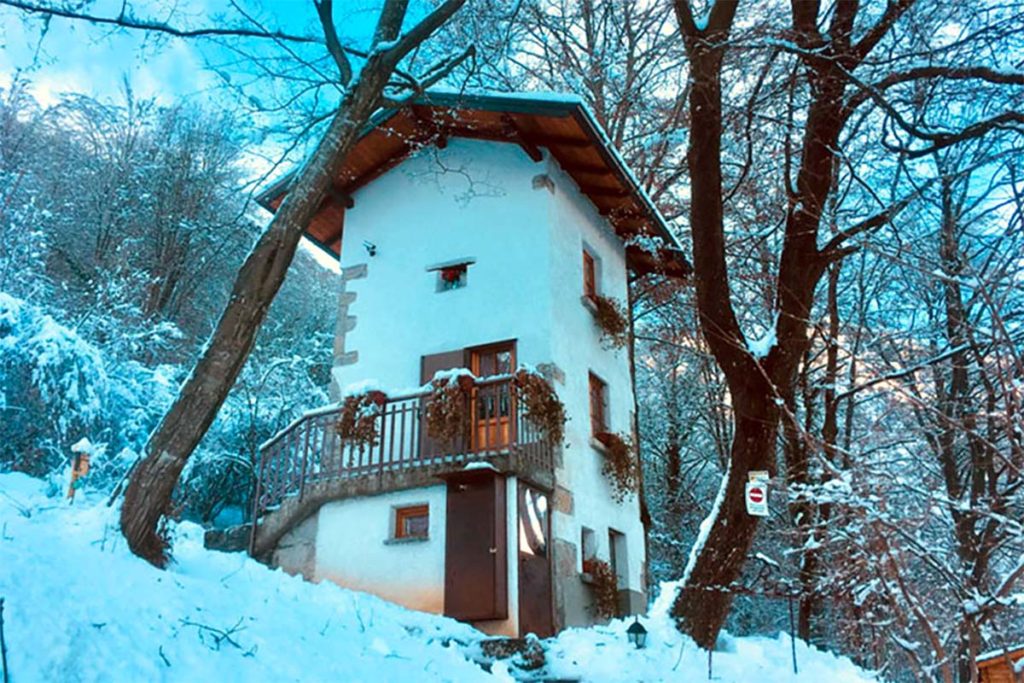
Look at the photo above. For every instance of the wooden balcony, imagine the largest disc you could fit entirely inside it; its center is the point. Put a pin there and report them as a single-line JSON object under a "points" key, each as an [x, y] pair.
{"points": [[310, 454]]}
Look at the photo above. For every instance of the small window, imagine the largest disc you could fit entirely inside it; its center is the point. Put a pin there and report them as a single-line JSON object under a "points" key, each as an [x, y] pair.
{"points": [[412, 522], [493, 359], [452, 274], [589, 275], [588, 547], [452, 277], [598, 405]]}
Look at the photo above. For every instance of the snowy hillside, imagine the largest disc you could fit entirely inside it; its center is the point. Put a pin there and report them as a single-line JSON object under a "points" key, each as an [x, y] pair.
{"points": [[79, 607]]}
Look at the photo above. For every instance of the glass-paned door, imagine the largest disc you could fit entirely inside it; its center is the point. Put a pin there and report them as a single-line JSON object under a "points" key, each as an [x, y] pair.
{"points": [[492, 405]]}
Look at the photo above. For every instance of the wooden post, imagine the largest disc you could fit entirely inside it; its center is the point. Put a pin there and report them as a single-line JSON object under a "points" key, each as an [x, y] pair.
{"points": [[3, 644], [792, 633], [256, 502], [305, 455]]}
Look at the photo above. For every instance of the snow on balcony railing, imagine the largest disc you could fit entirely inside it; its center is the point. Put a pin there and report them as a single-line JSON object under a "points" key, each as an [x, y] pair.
{"points": [[310, 451]]}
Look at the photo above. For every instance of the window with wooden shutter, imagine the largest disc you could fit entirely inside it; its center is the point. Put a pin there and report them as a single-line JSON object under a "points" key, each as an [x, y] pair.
{"points": [[430, 365], [598, 405], [435, 362], [589, 275]]}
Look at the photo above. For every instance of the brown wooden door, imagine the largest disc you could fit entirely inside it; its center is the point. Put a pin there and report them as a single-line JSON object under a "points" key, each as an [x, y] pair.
{"points": [[429, 365], [492, 404], [534, 530], [476, 539]]}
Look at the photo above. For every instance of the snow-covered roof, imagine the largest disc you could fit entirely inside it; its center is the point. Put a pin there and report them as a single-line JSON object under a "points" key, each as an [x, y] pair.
{"points": [[999, 655], [560, 123]]}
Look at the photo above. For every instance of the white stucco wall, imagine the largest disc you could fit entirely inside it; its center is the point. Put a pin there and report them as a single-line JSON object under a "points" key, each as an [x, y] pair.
{"points": [[353, 548], [426, 212], [577, 349]]}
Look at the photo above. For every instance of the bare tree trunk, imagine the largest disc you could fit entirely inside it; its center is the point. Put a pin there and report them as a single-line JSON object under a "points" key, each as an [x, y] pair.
{"points": [[705, 599], [149, 493], [261, 276], [810, 517], [758, 385]]}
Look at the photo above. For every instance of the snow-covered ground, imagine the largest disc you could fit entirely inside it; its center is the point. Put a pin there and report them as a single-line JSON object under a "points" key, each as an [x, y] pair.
{"points": [[80, 607]]}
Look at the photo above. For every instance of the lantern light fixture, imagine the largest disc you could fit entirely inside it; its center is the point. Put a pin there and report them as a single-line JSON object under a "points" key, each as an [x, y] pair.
{"points": [[637, 634]]}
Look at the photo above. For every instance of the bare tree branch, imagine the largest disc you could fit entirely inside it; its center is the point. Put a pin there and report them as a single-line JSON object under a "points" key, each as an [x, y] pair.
{"points": [[423, 30], [127, 21], [324, 10]]}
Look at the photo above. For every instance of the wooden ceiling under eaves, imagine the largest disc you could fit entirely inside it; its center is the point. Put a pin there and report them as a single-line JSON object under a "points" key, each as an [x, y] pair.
{"points": [[562, 127]]}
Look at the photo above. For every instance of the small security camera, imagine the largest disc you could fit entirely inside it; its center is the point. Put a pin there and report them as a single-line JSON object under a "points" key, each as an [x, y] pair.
{"points": [[371, 248]]}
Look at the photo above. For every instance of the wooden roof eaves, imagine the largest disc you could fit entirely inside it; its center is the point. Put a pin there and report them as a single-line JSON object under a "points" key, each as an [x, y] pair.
{"points": [[280, 185], [997, 657], [625, 177], [559, 108], [323, 246]]}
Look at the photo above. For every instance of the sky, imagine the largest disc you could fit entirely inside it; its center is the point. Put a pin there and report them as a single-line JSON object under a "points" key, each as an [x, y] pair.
{"points": [[75, 56]]}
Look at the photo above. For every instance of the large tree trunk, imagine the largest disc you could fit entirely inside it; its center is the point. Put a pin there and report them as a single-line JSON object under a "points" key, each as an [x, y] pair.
{"points": [[705, 599], [183, 427], [148, 495], [757, 385]]}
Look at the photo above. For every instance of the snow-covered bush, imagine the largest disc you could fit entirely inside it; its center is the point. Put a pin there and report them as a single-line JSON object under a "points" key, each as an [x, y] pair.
{"points": [[54, 386]]}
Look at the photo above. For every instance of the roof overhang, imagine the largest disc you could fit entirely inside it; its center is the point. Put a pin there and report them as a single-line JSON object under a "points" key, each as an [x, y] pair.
{"points": [[998, 657], [561, 124]]}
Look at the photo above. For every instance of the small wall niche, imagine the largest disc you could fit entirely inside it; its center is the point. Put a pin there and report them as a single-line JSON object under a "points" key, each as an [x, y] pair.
{"points": [[452, 274], [588, 546]]}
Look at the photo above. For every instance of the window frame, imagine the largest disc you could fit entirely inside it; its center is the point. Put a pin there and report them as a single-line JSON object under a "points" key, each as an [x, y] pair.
{"points": [[589, 274], [474, 354], [588, 546], [594, 382], [406, 512]]}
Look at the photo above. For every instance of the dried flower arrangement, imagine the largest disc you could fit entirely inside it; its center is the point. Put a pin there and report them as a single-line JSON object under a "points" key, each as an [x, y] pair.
{"points": [[357, 422], [447, 409], [611, 318], [541, 405], [620, 464], [605, 586]]}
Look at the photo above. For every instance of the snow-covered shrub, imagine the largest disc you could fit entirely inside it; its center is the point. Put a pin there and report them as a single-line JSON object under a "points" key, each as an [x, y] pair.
{"points": [[54, 386]]}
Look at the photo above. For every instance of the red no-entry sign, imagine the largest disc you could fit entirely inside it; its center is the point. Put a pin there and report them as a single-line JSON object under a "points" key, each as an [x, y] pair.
{"points": [[757, 498]]}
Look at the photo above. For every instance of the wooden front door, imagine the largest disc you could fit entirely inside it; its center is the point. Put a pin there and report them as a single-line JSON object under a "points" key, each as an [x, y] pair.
{"points": [[476, 542], [534, 530], [492, 404]]}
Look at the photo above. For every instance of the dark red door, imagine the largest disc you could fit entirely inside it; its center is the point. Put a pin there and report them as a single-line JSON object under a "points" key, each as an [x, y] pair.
{"points": [[535, 613], [476, 561]]}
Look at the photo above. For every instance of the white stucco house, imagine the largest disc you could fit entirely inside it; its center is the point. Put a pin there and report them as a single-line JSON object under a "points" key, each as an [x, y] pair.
{"points": [[473, 231]]}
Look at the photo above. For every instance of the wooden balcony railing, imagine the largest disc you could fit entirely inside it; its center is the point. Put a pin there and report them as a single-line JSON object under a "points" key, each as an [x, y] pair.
{"points": [[309, 451]]}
